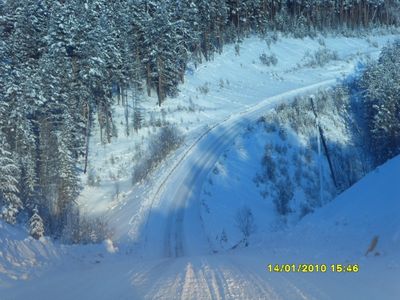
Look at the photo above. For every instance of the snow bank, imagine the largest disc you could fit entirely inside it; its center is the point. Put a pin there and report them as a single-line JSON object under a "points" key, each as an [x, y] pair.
{"points": [[20, 256], [109, 245], [370, 208]]}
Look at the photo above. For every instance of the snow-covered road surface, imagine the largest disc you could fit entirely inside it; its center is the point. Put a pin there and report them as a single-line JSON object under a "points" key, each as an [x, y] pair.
{"points": [[176, 205], [335, 234]]}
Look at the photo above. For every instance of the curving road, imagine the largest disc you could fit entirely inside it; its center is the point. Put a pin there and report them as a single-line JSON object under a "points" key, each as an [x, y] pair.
{"points": [[174, 226]]}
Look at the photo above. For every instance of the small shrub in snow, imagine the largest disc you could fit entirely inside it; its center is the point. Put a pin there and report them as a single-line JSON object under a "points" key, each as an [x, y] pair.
{"points": [[269, 127], [305, 210], [320, 57], [271, 38], [81, 229], [237, 49], [321, 41], [116, 188], [168, 139], [204, 89], [91, 179], [192, 105], [269, 167], [223, 239], [141, 170], [282, 133], [244, 221], [284, 195], [281, 149], [221, 83], [268, 60], [308, 155], [93, 231], [372, 43]]}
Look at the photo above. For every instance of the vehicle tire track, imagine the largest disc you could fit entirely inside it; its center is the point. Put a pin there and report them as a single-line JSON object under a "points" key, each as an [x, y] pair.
{"points": [[228, 129]]}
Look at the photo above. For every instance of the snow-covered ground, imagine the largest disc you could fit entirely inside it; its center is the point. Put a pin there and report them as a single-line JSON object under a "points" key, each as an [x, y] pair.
{"points": [[164, 250], [339, 233]]}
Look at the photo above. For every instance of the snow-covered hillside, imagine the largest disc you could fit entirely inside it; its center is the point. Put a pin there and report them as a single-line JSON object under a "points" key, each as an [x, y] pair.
{"points": [[217, 90]]}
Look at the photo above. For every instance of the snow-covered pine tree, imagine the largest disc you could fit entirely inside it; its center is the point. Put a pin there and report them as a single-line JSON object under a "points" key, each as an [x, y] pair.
{"points": [[36, 226], [102, 65], [189, 29], [10, 203], [382, 103], [21, 82], [219, 18], [161, 42], [68, 182]]}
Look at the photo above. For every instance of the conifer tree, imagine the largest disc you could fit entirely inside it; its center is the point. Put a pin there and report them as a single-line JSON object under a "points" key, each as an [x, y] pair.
{"points": [[10, 203], [36, 227]]}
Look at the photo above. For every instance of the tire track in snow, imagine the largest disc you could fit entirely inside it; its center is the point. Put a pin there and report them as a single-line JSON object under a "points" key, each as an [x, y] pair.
{"points": [[225, 132]]}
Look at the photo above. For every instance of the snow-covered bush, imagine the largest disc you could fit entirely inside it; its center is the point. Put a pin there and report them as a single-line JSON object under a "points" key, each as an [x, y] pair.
{"points": [[271, 37], [321, 41], [320, 57], [93, 231], [298, 173], [268, 60], [141, 170], [168, 139], [283, 197], [244, 221], [90, 231], [237, 49], [204, 89], [92, 178], [84, 229]]}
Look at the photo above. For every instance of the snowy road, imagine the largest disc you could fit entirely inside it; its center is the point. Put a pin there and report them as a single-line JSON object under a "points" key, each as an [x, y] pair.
{"points": [[176, 207]]}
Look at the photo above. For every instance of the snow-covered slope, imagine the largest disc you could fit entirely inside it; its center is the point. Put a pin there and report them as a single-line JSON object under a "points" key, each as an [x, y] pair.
{"points": [[217, 90], [343, 231], [369, 208], [21, 255]]}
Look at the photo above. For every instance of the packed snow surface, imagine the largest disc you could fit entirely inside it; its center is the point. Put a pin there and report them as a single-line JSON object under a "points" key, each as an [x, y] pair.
{"points": [[339, 233]]}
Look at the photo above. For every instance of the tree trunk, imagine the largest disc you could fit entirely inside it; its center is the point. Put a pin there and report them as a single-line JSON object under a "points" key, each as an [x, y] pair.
{"points": [[87, 135], [126, 111], [148, 80], [160, 91]]}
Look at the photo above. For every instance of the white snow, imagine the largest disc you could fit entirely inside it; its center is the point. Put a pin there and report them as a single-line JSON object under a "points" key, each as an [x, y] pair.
{"points": [[164, 249], [338, 233], [109, 245]]}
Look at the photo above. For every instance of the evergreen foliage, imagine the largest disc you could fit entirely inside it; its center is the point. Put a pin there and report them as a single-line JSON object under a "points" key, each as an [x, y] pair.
{"points": [[10, 203], [381, 81], [36, 227]]}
